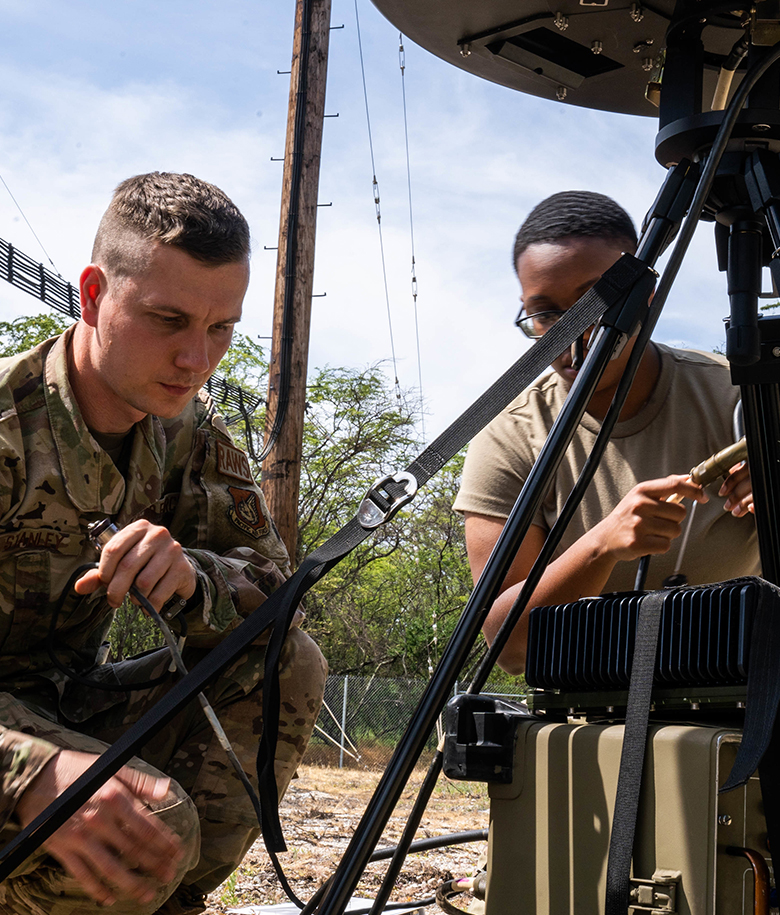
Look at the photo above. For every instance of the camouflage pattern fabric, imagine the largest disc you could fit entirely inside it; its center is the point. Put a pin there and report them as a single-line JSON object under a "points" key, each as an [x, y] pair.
{"points": [[208, 806], [187, 475], [40, 886]]}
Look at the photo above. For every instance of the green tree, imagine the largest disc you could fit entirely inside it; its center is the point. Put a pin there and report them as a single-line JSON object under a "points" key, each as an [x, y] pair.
{"points": [[388, 607], [25, 332], [353, 434]]}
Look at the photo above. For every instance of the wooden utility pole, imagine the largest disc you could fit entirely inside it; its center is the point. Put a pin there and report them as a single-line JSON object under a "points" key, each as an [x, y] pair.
{"points": [[281, 473]]}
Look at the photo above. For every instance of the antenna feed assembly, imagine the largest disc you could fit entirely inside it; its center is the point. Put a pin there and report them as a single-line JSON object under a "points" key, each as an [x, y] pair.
{"points": [[100, 532], [718, 465]]}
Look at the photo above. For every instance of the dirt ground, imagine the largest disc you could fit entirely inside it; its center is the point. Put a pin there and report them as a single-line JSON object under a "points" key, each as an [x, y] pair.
{"points": [[319, 814]]}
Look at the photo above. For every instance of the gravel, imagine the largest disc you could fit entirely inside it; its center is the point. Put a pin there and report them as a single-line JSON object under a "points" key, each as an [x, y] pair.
{"points": [[320, 814]]}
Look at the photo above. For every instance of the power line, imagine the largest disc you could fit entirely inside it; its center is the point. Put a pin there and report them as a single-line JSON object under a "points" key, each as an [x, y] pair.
{"points": [[29, 226], [402, 65], [375, 186]]}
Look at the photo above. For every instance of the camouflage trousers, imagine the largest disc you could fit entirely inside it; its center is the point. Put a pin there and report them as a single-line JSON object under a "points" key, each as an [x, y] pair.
{"points": [[207, 805]]}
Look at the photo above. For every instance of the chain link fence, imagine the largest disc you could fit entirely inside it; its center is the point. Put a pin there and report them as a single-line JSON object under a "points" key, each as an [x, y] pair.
{"points": [[363, 719]]}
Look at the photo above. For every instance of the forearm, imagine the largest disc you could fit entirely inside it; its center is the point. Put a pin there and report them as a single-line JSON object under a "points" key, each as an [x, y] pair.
{"points": [[582, 571], [22, 757], [644, 522], [230, 587]]}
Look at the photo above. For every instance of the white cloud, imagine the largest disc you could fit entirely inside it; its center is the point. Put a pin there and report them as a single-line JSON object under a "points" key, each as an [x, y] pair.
{"points": [[96, 92]]}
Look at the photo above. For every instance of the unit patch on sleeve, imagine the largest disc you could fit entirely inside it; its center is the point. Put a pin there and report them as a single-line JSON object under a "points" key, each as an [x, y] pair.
{"points": [[246, 513], [232, 462]]}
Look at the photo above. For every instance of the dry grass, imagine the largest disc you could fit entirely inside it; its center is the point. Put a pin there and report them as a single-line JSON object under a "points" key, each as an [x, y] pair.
{"points": [[320, 813]]}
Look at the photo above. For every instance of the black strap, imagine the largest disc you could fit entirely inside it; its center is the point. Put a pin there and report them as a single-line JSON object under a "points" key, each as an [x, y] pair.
{"points": [[760, 746], [763, 686], [769, 779], [616, 282], [278, 610], [632, 758], [612, 286]]}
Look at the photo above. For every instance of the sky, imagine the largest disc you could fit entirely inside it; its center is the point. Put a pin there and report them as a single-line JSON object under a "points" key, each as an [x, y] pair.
{"points": [[92, 92]]}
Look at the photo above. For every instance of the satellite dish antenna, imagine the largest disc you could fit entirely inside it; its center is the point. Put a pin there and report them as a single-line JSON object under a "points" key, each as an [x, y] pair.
{"points": [[672, 60]]}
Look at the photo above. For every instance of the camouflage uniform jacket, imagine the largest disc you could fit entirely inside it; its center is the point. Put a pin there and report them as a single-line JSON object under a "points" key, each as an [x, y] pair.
{"points": [[184, 473]]}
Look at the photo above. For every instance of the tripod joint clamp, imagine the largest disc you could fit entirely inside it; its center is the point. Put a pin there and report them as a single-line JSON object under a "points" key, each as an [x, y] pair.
{"points": [[630, 310], [385, 497]]}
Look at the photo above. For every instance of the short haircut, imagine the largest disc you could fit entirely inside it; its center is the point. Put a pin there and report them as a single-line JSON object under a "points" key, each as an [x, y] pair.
{"points": [[177, 210], [574, 214]]}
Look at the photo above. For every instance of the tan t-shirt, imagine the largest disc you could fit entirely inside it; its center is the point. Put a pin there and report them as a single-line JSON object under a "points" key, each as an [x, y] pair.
{"points": [[687, 418]]}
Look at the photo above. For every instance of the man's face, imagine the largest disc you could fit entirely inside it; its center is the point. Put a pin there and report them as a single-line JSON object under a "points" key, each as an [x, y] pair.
{"points": [[554, 275], [158, 335]]}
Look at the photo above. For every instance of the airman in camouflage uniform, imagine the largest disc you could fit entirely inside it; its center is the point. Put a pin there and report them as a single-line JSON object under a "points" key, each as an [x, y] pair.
{"points": [[182, 474]]}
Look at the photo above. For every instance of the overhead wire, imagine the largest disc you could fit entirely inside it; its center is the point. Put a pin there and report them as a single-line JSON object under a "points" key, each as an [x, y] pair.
{"points": [[375, 186], [29, 226], [402, 65]]}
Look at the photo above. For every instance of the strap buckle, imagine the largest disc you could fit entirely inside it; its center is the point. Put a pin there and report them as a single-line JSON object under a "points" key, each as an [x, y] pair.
{"points": [[380, 504]]}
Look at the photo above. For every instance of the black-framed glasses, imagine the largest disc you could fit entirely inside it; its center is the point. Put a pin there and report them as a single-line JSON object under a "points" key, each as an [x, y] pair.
{"points": [[537, 325]]}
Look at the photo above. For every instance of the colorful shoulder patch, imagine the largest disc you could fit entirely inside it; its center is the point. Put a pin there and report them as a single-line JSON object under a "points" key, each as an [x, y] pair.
{"points": [[246, 513], [232, 462]]}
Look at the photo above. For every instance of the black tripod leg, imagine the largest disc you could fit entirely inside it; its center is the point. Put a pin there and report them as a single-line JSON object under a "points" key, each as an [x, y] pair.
{"points": [[369, 830], [759, 378], [744, 286], [759, 381], [401, 765], [761, 407]]}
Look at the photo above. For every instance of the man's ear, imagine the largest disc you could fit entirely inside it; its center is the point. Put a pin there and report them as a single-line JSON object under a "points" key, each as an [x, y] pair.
{"points": [[92, 285]]}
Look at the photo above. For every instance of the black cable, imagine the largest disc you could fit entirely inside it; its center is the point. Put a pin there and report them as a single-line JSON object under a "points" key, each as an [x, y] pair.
{"points": [[697, 15], [737, 53], [641, 573], [446, 891], [221, 736], [443, 894], [381, 854], [83, 679], [177, 658], [454, 838]]}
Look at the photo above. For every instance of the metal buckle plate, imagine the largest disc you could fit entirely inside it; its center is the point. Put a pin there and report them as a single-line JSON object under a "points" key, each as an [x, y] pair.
{"points": [[371, 514]]}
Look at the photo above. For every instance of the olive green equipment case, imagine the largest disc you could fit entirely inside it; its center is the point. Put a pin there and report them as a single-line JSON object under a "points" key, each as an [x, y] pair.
{"points": [[550, 826]]}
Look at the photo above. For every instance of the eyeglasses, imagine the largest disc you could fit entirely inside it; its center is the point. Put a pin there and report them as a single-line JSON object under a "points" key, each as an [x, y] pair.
{"points": [[537, 325]]}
